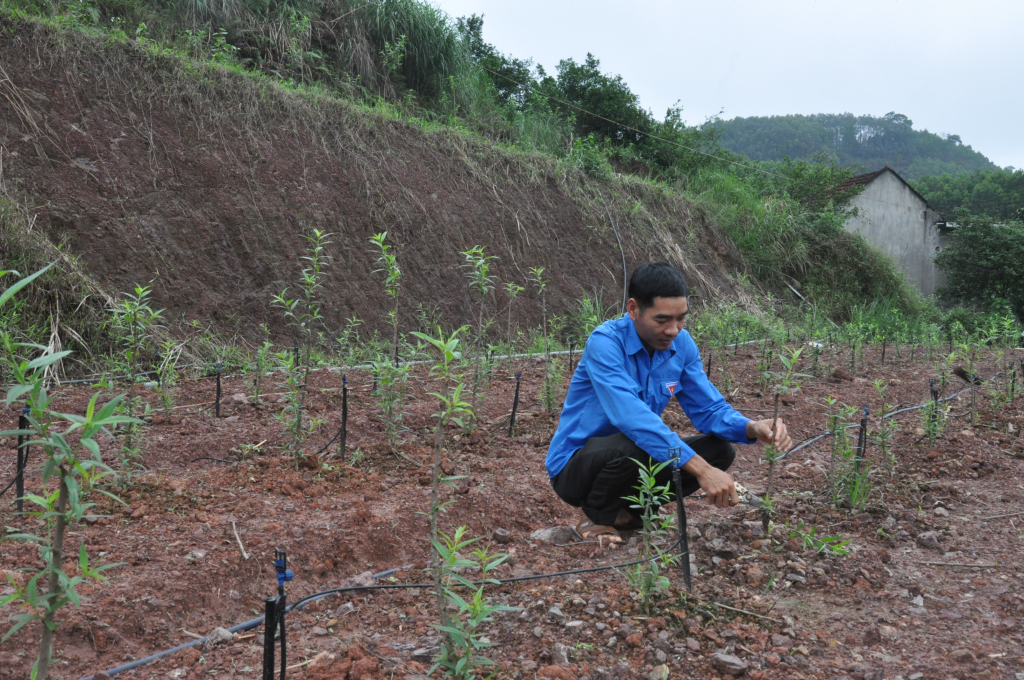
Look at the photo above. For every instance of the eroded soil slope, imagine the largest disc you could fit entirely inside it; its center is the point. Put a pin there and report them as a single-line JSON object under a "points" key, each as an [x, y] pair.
{"points": [[201, 182]]}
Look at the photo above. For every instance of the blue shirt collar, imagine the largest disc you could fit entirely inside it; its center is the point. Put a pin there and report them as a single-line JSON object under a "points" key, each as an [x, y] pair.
{"points": [[635, 345], [633, 342]]}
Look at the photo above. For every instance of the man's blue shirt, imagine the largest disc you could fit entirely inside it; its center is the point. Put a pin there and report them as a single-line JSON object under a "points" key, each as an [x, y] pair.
{"points": [[619, 387]]}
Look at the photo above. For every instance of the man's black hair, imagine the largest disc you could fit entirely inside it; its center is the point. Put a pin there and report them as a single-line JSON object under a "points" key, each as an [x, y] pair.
{"points": [[656, 279]]}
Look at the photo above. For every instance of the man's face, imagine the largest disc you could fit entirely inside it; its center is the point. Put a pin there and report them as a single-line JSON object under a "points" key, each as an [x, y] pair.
{"points": [[659, 324]]}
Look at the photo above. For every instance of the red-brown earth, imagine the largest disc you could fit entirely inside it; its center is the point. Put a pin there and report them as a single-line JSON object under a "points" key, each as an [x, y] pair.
{"points": [[898, 606]]}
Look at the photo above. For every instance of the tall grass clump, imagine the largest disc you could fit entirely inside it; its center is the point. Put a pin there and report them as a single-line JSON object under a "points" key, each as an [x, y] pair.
{"points": [[433, 54]]}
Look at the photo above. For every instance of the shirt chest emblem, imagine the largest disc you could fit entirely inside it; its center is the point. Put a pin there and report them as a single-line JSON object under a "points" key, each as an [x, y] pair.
{"points": [[670, 387]]}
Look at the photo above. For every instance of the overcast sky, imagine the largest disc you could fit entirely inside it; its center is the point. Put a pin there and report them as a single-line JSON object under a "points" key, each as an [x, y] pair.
{"points": [[951, 66]]}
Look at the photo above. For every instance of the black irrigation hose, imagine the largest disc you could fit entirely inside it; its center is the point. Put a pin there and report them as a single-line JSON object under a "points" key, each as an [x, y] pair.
{"points": [[804, 444], [328, 444], [513, 579], [82, 381], [252, 623], [7, 488]]}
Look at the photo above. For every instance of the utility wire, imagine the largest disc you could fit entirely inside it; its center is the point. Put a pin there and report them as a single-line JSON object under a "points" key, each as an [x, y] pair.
{"points": [[669, 141], [637, 130]]}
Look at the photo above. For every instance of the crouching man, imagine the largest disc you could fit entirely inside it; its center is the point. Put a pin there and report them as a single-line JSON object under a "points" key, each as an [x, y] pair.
{"points": [[630, 369]]}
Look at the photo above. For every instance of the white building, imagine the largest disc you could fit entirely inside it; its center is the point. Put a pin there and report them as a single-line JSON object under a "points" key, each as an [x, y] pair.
{"points": [[896, 219]]}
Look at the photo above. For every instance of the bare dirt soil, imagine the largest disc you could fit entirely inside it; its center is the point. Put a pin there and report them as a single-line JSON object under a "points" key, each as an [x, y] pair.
{"points": [[931, 588]]}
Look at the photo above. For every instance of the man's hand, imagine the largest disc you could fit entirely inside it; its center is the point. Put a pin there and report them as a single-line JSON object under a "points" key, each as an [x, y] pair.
{"points": [[717, 484], [761, 430]]}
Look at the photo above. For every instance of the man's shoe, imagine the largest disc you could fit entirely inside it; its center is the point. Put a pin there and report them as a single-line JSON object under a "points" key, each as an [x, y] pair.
{"points": [[602, 533]]}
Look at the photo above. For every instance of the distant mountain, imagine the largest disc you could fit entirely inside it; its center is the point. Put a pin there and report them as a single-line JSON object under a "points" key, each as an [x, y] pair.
{"points": [[862, 142]]}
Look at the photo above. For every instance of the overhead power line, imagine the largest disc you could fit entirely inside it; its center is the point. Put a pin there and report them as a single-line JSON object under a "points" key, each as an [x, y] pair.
{"points": [[679, 144], [637, 130]]}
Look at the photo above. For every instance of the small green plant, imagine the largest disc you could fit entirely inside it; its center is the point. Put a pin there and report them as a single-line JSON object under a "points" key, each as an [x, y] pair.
{"points": [[196, 41], [261, 367], [970, 353], [387, 259], [348, 342], [167, 374], [513, 290], [460, 657], [135, 322], [71, 463], [84, 13], [222, 51], [393, 55], [391, 382], [291, 415], [859, 487], [303, 313], [129, 453], [247, 451], [551, 373], [829, 545], [764, 365], [816, 354], [590, 314], [646, 576], [934, 417], [451, 409], [842, 465], [481, 284], [886, 429], [785, 383]]}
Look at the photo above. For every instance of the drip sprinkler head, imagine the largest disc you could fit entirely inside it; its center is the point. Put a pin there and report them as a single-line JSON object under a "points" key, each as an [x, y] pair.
{"points": [[281, 567]]}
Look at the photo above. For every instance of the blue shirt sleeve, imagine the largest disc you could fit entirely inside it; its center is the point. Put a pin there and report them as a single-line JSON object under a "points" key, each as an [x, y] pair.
{"points": [[630, 415], [704, 404]]}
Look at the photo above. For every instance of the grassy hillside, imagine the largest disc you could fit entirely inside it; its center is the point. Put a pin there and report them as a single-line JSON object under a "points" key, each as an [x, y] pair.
{"points": [[860, 142]]}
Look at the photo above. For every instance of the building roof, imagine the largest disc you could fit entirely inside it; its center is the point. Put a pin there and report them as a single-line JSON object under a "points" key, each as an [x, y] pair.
{"points": [[869, 177], [866, 178]]}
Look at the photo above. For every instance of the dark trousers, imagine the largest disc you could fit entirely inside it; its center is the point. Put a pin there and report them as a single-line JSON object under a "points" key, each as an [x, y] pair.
{"points": [[598, 475]]}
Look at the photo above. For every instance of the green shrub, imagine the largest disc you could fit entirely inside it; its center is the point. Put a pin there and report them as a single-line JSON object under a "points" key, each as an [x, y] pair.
{"points": [[984, 264]]}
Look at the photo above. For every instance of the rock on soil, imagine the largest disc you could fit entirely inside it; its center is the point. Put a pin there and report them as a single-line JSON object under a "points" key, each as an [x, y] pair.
{"points": [[555, 673], [659, 673], [216, 637], [928, 540], [553, 535], [729, 664]]}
